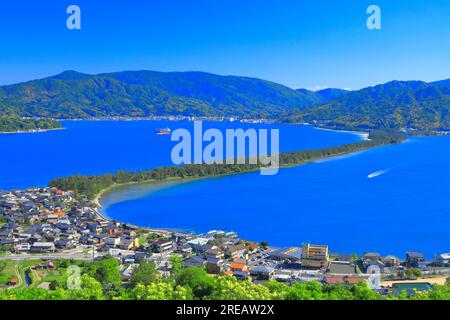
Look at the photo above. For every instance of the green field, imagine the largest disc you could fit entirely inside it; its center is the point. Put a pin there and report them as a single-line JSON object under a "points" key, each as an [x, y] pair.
{"points": [[16, 269]]}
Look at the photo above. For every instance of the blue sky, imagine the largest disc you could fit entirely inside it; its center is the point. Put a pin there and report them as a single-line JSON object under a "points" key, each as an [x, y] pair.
{"points": [[294, 42]]}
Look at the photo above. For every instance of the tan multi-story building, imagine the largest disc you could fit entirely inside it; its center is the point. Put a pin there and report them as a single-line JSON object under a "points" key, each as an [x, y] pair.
{"points": [[315, 256]]}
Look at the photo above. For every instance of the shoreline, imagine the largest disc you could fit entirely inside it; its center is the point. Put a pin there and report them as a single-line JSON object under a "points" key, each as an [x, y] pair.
{"points": [[106, 191], [177, 180], [32, 131], [364, 135], [361, 134], [230, 119], [174, 181]]}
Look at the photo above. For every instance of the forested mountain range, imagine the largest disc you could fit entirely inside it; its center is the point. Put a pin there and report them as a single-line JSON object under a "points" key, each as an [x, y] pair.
{"points": [[396, 104], [145, 93]]}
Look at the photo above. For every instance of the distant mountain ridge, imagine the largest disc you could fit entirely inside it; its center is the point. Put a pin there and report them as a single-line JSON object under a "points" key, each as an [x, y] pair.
{"points": [[413, 105], [324, 95], [145, 93]]}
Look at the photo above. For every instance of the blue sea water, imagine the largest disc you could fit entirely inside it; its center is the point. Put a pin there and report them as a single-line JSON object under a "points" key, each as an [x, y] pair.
{"points": [[95, 147], [404, 206]]}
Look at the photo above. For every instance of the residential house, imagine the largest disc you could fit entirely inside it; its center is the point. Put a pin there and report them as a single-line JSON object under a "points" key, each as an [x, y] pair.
{"points": [[391, 261], [443, 259], [214, 253], [236, 251], [282, 276], [262, 272], [65, 244], [120, 253], [95, 228], [6, 233], [194, 261], [202, 248], [315, 256], [214, 234], [241, 275], [238, 266], [252, 247], [341, 268], [140, 256], [129, 226], [112, 242], [231, 235], [415, 260], [371, 265], [214, 265], [22, 247], [198, 241], [160, 246], [374, 256], [112, 229], [184, 249], [42, 247], [292, 254], [129, 243], [129, 259]]}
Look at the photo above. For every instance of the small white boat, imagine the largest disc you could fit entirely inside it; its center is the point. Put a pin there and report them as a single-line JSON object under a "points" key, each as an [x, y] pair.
{"points": [[376, 174]]}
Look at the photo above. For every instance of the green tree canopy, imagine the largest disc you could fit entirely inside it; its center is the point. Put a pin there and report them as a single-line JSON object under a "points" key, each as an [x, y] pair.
{"points": [[145, 274]]}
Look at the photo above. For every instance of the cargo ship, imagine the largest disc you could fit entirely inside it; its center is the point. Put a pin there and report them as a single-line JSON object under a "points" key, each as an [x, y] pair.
{"points": [[163, 131]]}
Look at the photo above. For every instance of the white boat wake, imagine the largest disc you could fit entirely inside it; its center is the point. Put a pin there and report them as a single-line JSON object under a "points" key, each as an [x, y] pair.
{"points": [[377, 174]]}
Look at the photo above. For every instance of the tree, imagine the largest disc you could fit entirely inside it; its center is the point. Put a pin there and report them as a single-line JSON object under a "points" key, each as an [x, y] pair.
{"points": [[160, 291], [305, 291], [361, 291], [437, 292], [106, 271], [3, 250], [413, 273], [197, 279], [91, 289], [264, 244], [229, 288], [279, 290], [177, 265], [145, 274]]}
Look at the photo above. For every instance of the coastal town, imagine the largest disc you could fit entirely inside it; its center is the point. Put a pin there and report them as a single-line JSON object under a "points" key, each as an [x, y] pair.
{"points": [[49, 224]]}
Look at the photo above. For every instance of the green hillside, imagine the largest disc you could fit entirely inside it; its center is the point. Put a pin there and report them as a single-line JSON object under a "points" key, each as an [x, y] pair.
{"points": [[145, 93], [15, 124], [397, 104], [413, 105]]}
